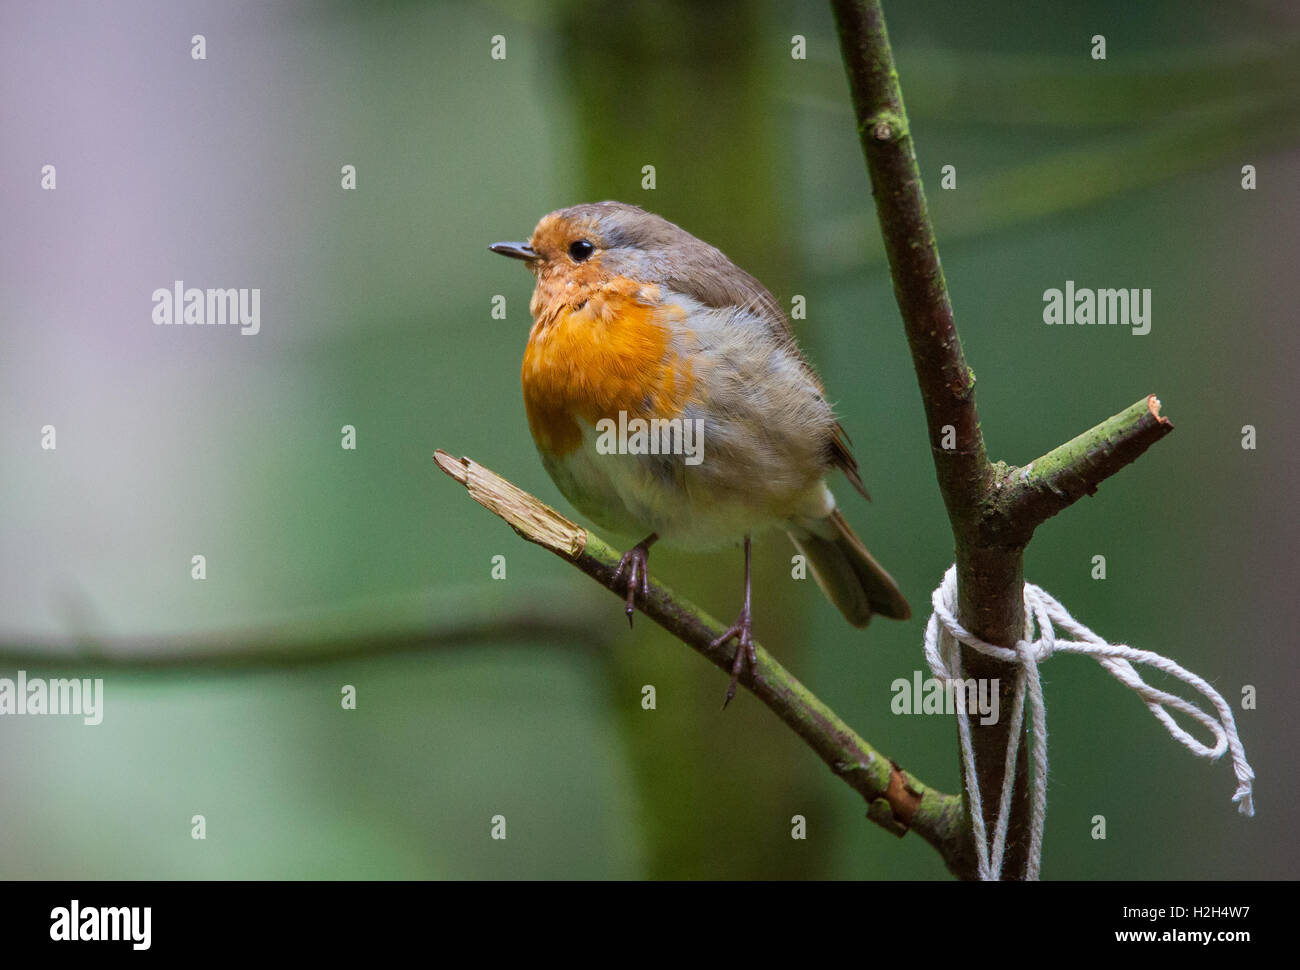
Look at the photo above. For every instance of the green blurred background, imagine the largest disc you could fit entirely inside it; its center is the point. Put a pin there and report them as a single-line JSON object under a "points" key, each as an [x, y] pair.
{"points": [[376, 312]]}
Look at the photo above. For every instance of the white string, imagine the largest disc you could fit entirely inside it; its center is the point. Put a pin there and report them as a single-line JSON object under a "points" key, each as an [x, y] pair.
{"points": [[943, 639]]}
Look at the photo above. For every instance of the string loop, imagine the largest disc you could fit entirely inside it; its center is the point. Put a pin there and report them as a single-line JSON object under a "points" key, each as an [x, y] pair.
{"points": [[943, 638]]}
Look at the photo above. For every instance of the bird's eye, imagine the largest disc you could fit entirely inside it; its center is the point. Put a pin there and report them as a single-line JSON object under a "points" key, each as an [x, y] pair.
{"points": [[580, 249]]}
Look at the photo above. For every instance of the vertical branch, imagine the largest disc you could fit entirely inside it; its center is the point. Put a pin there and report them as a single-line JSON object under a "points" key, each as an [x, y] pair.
{"points": [[990, 573], [993, 509], [947, 384]]}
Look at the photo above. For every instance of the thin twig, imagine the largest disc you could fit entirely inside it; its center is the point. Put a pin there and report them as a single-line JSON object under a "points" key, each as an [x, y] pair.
{"points": [[1070, 471], [394, 625]]}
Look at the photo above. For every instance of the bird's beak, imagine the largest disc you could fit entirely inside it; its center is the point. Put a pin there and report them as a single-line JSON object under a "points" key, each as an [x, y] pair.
{"points": [[516, 250]]}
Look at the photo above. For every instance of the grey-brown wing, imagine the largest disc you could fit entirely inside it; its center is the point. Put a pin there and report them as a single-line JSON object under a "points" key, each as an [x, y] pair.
{"points": [[707, 275]]}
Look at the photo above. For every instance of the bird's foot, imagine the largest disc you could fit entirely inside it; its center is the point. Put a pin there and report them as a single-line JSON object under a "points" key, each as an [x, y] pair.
{"points": [[636, 564], [743, 631]]}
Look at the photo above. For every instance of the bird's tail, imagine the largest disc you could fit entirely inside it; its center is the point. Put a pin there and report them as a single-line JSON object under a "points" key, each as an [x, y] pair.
{"points": [[846, 572]]}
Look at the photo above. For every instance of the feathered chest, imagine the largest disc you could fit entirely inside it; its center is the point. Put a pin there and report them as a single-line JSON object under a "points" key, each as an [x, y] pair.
{"points": [[594, 354]]}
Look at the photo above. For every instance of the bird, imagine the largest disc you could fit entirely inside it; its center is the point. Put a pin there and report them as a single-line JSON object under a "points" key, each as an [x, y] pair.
{"points": [[667, 397]]}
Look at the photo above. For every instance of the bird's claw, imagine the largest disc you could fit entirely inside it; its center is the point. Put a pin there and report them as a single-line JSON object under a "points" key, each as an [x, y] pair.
{"points": [[743, 632], [637, 563]]}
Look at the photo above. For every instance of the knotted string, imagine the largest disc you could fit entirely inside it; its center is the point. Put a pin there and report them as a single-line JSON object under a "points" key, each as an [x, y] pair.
{"points": [[943, 639]]}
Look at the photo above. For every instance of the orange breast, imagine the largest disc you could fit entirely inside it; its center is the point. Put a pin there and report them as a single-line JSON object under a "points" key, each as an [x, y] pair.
{"points": [[591, 359]]}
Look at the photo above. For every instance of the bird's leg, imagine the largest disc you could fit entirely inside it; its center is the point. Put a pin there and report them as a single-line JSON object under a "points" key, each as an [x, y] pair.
{"points": [[743, 631], [637, 563]]}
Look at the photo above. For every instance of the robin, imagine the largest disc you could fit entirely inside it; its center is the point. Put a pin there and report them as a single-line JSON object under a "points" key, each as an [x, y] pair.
{"points": [[667, 398]]}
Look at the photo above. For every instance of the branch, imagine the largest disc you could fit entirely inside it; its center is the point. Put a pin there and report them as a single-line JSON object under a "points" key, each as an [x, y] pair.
{"points": [[394, 626], [1067, 473], [896, 800], [947, 384], [991, 525]]}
